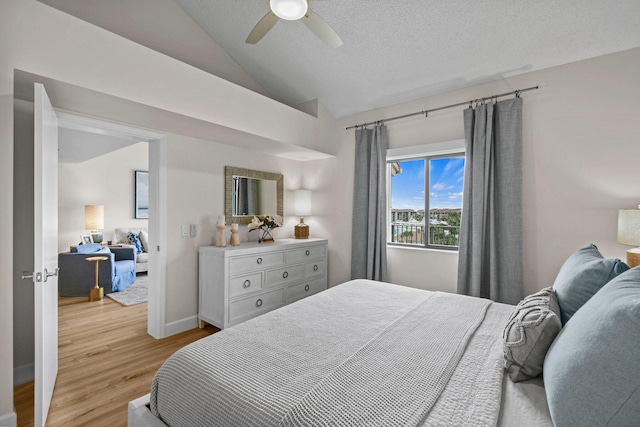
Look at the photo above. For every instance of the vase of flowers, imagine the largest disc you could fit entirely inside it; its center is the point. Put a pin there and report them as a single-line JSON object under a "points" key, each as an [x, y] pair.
{"points": [[265, 224]]}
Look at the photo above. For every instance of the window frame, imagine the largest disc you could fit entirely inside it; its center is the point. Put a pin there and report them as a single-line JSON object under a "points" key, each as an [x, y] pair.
{"points": [[453, 149]]}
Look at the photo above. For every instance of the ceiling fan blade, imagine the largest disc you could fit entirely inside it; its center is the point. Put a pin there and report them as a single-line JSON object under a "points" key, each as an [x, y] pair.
{"points": [[262, 27], [321, 29]]}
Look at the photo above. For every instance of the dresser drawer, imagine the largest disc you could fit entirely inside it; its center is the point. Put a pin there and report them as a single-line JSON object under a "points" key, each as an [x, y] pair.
{"points": [[255, 305], [299, 291], [316, 268], [243, 284], [243, 264], [286, 274], [305, 254]]}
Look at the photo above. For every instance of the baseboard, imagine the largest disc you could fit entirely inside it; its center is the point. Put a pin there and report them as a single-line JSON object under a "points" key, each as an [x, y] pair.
{"points": [[23, 374], [180, 326], [9, 419]]}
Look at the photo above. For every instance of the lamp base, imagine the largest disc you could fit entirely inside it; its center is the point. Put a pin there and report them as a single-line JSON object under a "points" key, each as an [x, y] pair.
{"points": [[96, 236], [633, 257], [301, 231]]}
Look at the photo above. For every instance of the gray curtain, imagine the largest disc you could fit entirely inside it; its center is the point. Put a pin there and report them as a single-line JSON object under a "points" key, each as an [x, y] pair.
{"points": [[490, 254], [369, 238]]}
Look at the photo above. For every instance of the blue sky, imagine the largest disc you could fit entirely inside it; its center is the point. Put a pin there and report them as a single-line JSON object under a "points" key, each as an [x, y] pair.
{"points": [[407, 188]]}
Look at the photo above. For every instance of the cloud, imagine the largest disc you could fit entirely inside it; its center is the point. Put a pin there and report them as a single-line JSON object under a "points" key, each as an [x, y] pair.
{"points": [[439, 186], [455, 195]]}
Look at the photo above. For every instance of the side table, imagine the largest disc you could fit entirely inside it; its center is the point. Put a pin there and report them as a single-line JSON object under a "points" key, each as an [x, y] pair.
{"points": [[96, 293]]}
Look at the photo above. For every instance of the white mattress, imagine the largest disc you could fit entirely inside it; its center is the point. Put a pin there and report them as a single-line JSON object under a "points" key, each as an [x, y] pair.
{"points": [[524, 404]]}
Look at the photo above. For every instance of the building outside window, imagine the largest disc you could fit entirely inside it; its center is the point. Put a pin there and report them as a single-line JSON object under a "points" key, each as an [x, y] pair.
{"points": [[430, 184]]}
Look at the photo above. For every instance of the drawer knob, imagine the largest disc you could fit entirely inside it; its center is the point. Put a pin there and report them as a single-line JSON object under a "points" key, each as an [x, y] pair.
{"points": [[315, 267], [259, 260], [246, 283], [258, 303], [306, 288], [285, 274], [307, 252]]}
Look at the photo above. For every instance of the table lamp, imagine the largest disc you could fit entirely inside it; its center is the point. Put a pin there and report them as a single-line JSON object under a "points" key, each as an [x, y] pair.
{"points": [[629, 233], [94, 221], [302, 207]]}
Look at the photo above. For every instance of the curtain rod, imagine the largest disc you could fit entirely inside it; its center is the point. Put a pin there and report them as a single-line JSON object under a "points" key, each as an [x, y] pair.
{"points": [[426, 112]]}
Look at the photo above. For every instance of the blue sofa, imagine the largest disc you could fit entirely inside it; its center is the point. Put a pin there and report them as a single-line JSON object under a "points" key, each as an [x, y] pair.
{"points": [[77, 275]]}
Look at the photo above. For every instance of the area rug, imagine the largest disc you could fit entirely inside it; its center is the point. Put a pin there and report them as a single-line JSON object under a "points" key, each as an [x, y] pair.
{"points": [[134, 294]]}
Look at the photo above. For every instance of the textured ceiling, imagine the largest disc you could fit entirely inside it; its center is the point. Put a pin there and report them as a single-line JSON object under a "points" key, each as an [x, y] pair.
{"points": [[395, 51]]}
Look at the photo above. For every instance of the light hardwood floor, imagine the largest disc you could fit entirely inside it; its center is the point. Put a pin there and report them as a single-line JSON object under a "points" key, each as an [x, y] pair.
{"points": [[106, 359]]}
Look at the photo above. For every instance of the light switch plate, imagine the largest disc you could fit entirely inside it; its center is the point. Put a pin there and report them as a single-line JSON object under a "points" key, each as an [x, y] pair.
{"points": [[194, 230], [185, 231]]}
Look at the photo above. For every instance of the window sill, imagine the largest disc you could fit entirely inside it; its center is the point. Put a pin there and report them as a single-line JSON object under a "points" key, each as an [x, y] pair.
{"points": [[421, 248]]}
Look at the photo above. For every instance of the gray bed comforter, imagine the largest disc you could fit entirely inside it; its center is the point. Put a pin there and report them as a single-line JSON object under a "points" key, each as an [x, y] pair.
{"points": [[360, 354]]}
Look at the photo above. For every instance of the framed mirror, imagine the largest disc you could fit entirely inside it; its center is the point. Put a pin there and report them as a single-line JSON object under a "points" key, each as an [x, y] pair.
{"points": [[250, 192]]}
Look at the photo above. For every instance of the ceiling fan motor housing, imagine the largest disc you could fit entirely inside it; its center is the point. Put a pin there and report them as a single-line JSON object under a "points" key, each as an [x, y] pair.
{"points": [[289, 9]]}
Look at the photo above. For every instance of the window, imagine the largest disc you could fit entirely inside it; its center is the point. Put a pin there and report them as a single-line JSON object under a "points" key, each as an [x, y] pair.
{"points": [[432, 221]]}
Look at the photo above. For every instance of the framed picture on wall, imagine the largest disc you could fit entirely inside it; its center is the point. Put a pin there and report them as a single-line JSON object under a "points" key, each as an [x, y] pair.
{"points": [[142, 195]]}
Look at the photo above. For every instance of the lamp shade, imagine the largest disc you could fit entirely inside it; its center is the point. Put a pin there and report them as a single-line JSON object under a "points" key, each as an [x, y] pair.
{"points": [[629, 234], [629, 227], [94, 217], [302, 202], [289, 9]]}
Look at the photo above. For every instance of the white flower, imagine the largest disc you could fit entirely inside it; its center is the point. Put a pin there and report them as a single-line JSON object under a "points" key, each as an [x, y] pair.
{"points": [[255, 223], [278, 220]]}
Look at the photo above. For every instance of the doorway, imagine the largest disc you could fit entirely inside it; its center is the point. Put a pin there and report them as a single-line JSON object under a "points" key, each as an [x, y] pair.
{"points": [[157, 181]]}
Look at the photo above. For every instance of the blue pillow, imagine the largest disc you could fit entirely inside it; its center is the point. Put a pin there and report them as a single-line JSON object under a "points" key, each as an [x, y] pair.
{"points": [[87, 249], [135, 241], [591, 372], [581, 276]]}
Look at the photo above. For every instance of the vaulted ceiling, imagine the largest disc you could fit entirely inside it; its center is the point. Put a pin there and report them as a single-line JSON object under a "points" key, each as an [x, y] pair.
{"points": [[393, 51]]}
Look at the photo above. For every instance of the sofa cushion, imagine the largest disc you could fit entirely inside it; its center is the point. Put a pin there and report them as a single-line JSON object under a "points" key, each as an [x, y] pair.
{"points": [[531, 329], [143, 257], [591, 373], [86, 249], [125, 266], [144, 239], [581, 276]]}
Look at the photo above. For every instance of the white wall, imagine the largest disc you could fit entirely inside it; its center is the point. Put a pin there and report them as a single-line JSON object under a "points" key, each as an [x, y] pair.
{"points": [[195, 195], [23, 226], [106, 180], [162, 25], [7, 416], [580, 165]]}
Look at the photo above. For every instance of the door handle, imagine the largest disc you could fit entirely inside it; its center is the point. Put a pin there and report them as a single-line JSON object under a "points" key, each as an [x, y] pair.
{"points": [[47, 274], [38, 276]]}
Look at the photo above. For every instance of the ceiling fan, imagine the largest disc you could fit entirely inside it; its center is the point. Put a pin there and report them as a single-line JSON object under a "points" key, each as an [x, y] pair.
{"points": [[293, 10]]}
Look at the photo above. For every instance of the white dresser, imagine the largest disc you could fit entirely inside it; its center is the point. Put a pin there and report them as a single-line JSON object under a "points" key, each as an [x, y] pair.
{"points": [[237, 283]]}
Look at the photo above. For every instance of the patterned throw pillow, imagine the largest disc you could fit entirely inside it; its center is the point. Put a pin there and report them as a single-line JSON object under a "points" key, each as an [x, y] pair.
{"points": [[531, 329], [134, 240]]}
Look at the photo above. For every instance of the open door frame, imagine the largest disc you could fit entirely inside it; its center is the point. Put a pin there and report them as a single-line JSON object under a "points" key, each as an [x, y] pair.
{"points": [[156, 312]]}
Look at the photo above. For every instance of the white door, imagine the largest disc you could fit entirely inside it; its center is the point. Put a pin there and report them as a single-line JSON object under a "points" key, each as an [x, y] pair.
{"points": [[45, 278]]}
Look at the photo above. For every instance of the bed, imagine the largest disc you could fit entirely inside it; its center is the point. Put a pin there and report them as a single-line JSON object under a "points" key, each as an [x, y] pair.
{"points": [[367, 353]]}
